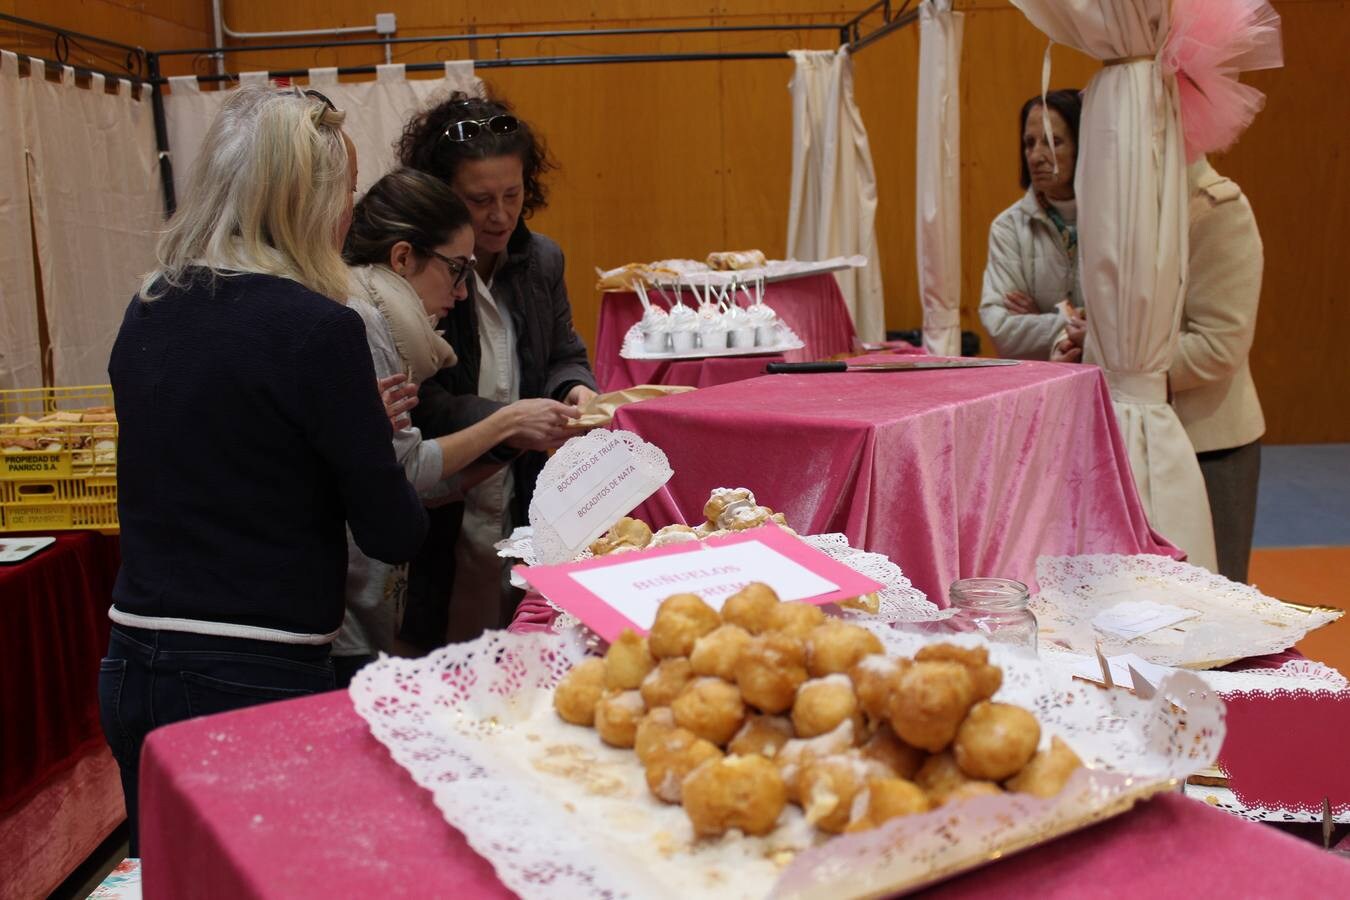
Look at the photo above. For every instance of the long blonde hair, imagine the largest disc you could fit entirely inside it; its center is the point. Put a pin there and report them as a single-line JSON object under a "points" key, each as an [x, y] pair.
{"points": [[267, 194]]}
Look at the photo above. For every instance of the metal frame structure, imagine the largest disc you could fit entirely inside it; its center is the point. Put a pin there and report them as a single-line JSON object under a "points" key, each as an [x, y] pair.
{"points": [[142, 67]]}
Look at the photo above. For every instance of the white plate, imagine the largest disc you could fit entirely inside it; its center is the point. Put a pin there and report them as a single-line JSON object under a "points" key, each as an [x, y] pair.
{"points": [[14, 550]]}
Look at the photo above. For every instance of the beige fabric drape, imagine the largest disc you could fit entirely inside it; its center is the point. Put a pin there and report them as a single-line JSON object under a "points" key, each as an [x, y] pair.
{"points": [[20, 355], [937, 231], [1132, 224], [376, 111], [97, 204], [832, 211]]}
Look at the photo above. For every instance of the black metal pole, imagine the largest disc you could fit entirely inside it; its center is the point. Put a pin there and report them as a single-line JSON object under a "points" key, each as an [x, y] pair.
{"points": [[161, 134]]}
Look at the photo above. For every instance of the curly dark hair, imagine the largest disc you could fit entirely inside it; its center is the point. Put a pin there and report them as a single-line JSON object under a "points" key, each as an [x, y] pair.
{"points": [[1069, 104], [425, 147]]}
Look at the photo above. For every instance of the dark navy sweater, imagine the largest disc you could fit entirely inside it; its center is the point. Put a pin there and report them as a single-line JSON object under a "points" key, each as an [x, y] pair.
{"points": [[251, 432]]}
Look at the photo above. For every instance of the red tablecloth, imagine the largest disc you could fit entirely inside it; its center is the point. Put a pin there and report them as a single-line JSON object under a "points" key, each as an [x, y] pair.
{"points": [[53, 632], [812, 306], [296, 799], [950, 473]]}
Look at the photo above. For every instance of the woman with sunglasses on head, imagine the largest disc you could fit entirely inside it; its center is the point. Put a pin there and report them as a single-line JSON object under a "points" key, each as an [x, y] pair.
{"points": [[514, 340], [410, 249], [251, 434]]}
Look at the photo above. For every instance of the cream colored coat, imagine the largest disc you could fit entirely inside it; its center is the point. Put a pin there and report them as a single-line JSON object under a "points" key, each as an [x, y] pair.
{"points": [[1210, 380], [1026, 254]]}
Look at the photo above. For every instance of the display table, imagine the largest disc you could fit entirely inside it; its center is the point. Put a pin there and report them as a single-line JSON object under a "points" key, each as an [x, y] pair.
{"points": [[950, 473], [297, 799], [59, 790], [812, 306]]}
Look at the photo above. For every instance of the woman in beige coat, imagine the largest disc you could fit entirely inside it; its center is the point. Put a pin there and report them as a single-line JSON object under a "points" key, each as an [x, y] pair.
{"points": [[1210, 381], [1033, 244]]}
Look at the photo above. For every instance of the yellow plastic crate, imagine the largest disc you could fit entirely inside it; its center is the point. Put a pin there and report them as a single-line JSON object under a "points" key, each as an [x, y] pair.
{"points": [[57, 471]]}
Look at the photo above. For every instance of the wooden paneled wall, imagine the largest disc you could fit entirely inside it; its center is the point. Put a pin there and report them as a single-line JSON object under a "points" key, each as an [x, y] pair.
{"points": [[677, 159]]}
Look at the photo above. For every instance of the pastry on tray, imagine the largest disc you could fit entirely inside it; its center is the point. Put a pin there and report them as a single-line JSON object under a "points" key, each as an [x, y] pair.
{"points": [[736, 715], [737, 260]]}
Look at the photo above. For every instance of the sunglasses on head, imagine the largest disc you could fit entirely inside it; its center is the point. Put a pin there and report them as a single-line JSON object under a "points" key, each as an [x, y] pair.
{"points": [[321, 98], [458, 266], [468, 129]]}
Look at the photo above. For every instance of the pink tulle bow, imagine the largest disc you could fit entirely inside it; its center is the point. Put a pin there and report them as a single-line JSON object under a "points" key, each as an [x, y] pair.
{"points": [[1209, 43]]}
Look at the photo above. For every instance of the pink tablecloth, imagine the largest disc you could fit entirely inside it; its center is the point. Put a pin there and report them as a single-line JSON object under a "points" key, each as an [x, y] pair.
{"points": [[950, 473], [812, 306], [297, 800]]}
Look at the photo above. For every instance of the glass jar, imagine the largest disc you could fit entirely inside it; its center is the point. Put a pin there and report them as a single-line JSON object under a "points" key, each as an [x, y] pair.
{"points": [[996, 608]]}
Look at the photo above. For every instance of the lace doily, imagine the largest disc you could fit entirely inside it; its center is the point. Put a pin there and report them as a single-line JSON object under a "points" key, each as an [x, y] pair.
{"points": [[652, 469], [1236, 620], [1226, 800], [560, 815], [899, 600]]}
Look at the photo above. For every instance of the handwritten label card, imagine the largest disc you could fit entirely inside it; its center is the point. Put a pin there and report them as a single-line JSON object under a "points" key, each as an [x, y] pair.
{"points": [[590, 484], [1131, 619], [623, 590]]}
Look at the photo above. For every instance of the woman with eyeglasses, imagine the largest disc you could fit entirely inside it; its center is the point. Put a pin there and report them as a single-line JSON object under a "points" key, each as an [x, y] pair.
{"points": [[514, 340], [252, 434], [410, 252]]}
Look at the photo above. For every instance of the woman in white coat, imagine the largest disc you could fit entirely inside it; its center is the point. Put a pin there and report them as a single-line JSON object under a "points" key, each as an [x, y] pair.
{"points": [[1033, 244]]}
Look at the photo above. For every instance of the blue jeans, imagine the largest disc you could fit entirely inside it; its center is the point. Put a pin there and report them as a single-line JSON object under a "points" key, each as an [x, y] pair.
{"points": [[155, 678]]}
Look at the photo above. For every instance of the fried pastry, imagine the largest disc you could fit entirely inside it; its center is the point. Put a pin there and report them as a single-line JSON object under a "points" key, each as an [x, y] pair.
{"points": [[627, 662], [744, 792], [580, 689], [987, 678], [674, 757], [762, 735], [680, 621], [664, 683], [893, 753], [751, 607], [795, 620], [929, 702], [1048, 771], [884, 799], [627, 533], [823, 703], [771, 668], [996, 740], [718, 651], [711, 708], [835, 646], [617, 717]]}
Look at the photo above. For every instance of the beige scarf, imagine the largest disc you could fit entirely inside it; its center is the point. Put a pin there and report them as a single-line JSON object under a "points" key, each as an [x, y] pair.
{"points": [[423, 351]]}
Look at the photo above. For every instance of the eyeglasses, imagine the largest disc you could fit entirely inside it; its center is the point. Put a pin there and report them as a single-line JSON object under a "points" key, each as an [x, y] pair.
{"points": [[468, 129], [459, 266]]}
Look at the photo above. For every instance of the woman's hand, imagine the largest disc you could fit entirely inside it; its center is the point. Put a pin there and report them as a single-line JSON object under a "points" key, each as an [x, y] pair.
{"points": [[1075, 330], [1066, 351], [579, 395], [399, 396], [540, 424], [1019, 304]]}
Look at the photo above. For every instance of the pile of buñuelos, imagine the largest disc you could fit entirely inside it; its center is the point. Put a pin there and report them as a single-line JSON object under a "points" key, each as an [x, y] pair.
{"points": [[735, 715]]}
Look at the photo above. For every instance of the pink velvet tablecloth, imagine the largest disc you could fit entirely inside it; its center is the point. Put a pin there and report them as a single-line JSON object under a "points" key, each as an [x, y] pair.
{"points": [[951, 473], [812, 306], [298, 800]]}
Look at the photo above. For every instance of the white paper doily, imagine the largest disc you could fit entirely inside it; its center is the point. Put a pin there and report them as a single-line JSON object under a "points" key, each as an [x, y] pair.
{"points": [[652, 471], [1236, 620], [560, 815]]}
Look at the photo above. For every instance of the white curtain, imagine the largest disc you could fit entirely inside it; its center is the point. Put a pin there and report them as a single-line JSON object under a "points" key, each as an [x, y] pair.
{"points": [[376, 111], [97, 203], [834, 187], [20, 356], [1132, 201], [937, 231]]}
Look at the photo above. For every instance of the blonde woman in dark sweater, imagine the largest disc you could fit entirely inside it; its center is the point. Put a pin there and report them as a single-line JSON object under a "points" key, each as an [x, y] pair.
{"points": [[252, 434]]}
